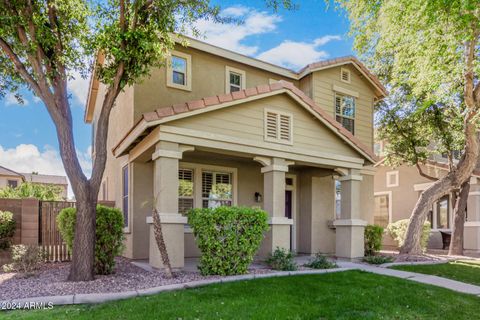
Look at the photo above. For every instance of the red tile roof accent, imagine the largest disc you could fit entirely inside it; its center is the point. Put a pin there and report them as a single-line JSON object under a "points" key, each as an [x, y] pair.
{"points": [[250, 92]]}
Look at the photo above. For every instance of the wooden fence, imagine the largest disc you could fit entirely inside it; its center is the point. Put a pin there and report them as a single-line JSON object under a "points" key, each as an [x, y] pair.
{"points": [[49, 237]]}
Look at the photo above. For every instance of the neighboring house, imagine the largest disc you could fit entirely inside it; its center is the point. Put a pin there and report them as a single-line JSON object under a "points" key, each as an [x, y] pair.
{"points": [[218, 128], [397, 191], [10, 178]]}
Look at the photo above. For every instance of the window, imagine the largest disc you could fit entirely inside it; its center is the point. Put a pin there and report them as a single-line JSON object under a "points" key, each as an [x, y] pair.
{"points": [[216, 189], [443, 213], [125, 189], [104, 190], [338, 199], [382, 209], [235, 79], [12, 183], [179, 71], [185, 190], [345, 111], [345, 75], [278, 127], [392, 179]]}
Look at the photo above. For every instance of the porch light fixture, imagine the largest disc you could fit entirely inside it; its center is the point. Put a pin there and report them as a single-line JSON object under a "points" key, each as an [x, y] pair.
{"points": [[258, 197]]}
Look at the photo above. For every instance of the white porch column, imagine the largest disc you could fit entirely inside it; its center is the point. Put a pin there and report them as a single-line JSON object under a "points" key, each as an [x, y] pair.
{"points": [[165, 193], [471, 241], [349, 239], [274, 170]]}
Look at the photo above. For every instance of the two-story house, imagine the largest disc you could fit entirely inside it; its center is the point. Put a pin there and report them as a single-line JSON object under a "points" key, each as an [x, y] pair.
{"points": [[216, 127]]}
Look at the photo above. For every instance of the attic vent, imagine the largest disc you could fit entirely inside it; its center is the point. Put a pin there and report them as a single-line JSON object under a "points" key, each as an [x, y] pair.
{"points": [[345, 75], [278, 127]]}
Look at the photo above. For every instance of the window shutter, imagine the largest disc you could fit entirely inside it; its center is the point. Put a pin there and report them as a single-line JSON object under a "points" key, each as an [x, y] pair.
{"points": [[285, 127], [345, 75], [207, 182], [185, 174], [272, 124]]}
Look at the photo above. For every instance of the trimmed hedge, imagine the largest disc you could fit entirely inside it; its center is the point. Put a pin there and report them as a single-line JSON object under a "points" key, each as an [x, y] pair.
{"points": [[228, 238], [7, 229], [108, 235], [398, 231], [373, 239]]}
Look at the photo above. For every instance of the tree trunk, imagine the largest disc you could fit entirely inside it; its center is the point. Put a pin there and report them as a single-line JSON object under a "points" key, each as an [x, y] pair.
{"points": [[454, 179], [83, 253], [456, 243], [157, 227]]}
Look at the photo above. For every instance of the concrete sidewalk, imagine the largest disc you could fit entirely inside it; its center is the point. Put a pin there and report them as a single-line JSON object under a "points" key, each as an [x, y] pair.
{"points": [[417, 277]]}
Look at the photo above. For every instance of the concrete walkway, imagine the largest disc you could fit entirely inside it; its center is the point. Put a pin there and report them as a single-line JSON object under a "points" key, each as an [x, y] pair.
{"points": [[417, 277]]}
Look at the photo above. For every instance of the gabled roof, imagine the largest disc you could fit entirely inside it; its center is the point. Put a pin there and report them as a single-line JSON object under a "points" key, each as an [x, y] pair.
{"points": [[253, 62], [45, 179], [170, 113], [7, 172]]}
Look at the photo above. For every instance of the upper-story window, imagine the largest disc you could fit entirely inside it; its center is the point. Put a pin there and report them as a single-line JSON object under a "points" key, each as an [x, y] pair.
{"points": [[179, 71], [235, 79], [278, 126], [345, 111]]}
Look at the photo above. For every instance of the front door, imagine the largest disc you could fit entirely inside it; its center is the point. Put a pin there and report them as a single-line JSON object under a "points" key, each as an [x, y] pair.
{"points": [[288, 212]]}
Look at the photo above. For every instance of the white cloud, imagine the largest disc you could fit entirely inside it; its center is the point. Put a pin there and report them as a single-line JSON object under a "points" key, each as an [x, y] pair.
{"points": [[294, 55], [11, 100], [231, 35], [29, 158], [78, 86]]}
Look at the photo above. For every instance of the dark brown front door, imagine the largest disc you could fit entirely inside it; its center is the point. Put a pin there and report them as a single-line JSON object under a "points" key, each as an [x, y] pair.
{"points": [[288, 212]]}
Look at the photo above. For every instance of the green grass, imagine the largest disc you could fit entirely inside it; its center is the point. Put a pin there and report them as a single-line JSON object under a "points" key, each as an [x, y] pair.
{"points": [[343, 295], [461, 270]]}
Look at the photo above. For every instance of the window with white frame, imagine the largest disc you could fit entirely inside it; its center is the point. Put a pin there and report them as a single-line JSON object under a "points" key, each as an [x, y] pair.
{"points": [[278, 126], [217, 189], [381, 213], [345, 75], [185, 190], [179, 71], [392, 179], [338, 199], [440, 215], [345, 111], [235, 79], [125, 194]]}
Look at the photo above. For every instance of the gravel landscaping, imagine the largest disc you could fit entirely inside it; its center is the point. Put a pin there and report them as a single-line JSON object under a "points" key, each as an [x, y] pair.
{"points": [[51, 280]]}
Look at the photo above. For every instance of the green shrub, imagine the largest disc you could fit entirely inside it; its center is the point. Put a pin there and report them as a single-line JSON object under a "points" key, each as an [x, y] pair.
{"points": [[108, 235], [7, 229], [228, 237], [320, 262], [373, 239], [282, 259], [25, 259], [398, 231], [377, 259]]}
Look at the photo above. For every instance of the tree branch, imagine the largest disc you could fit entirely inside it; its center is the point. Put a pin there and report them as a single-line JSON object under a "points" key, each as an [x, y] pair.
{"points": [[423, 174]]}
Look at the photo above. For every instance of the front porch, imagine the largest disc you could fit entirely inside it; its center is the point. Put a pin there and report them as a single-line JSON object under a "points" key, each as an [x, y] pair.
{"points": [[299, 196]]}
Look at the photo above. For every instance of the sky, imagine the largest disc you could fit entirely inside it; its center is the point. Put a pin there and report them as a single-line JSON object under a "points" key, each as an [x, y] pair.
{"points": [[313, 32]]}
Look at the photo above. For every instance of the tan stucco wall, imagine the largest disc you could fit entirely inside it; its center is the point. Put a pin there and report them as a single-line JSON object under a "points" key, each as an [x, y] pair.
{"points": [[208, 79], [4, 180], [324, 96], [246, 121]]}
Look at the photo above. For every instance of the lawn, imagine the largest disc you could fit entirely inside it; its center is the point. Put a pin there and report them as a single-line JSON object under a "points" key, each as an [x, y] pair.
{"points": [[343, 295], [461, 270]]}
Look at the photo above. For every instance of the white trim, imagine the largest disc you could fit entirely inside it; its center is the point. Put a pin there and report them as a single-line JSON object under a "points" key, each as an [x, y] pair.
{"points": [[472, 224], [474, 193], [280, 221], [354, 177], [144, 125], [342, 70], [422, 186], [127, 229], [243, 78], [344, 91], [169, 218], [349, 223], [188, 75], [278, 113], [274, 167], [167, 154], [388, 176], [293, 188], [197, 180], [390, 203]]}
